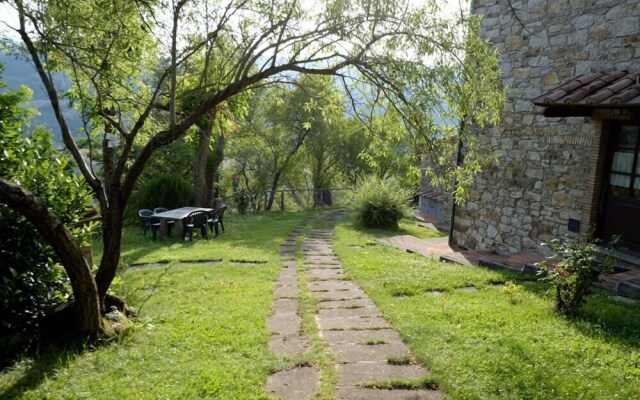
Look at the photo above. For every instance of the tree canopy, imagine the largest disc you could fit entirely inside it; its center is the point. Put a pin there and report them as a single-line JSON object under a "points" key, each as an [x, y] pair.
{"points": [[132, 62]]}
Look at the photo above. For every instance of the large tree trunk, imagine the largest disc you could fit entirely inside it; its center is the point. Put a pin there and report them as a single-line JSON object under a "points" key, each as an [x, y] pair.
{"points": [[274, 187], [85, 293], [213, 165], [112, 224], [201, 189]]}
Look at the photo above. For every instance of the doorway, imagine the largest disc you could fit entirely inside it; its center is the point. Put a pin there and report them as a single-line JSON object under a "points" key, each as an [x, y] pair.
{"points": [[620, 211]]}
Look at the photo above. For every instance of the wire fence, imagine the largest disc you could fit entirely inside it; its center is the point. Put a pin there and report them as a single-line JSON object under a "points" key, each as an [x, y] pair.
{"points": [[289, 199]]}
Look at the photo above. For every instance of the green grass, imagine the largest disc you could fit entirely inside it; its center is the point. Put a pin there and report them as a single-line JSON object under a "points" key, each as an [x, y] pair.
{"points": [[496, 343], [249, 237], [201, 332]]}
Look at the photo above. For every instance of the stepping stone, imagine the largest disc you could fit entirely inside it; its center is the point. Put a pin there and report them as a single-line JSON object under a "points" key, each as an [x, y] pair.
{"points": [[349, 312], [339, 294], [349, 323], [288, 272], [348, 303], [350, 353], [289, 264], [360, 336], [325, 260], [289, 345], [357, 393], [285, 306], [290, 292], [284, 324], [313, 266], [317, 246], [322, 274], [317, 253], [435, 292], [293, 384], [288, 280], [333, 285], [354, 373], [468, 289], [248, 262]]}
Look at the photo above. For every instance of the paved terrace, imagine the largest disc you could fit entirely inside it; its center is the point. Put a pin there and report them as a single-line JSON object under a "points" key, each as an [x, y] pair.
{"points": [[624, 283]]}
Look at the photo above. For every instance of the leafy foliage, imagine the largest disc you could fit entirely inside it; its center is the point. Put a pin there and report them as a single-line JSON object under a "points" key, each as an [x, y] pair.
{"points": [[241, 198], [381, 204], [572, 270], [31, 282], [130, 62], [167, 190]]}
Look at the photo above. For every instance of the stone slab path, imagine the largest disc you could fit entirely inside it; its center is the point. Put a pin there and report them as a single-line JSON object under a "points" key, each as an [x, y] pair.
{"points": [[287, 337], [352, 327]]}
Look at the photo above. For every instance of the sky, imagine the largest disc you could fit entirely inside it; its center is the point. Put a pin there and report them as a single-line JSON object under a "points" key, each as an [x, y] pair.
{"points": [[447, 9]]}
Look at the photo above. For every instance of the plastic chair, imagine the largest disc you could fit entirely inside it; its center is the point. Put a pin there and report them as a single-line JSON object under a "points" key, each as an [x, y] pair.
{"points": [[148, 222], [215, 218], [170, 222], [197, 219]]}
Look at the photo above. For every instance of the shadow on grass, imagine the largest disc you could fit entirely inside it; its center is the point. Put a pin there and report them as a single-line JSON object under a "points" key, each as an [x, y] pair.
{"points": [[41, 366], [264, 232]]}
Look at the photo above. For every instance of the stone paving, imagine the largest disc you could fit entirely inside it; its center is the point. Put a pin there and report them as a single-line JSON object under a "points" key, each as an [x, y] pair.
{"points": [[287, 337], [350, 324], [626, 284]]}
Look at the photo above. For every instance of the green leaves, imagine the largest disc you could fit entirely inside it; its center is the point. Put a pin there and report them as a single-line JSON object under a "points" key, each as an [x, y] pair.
{"points": [[380, 204], [30, 280], [572, 269]]}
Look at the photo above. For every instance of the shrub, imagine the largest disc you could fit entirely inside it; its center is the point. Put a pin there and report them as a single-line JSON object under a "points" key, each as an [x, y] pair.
{"points": [[572, 269], [380, 204], [31, 280], [166, 190], [241, 198]]}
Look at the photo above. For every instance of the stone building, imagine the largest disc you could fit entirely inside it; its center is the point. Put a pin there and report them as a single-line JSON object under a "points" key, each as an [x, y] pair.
{"points": [[569, 137]]}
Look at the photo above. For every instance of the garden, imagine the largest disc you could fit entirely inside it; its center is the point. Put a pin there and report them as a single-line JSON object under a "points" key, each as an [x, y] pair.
{"points": [[284, 113], [208, 303]]}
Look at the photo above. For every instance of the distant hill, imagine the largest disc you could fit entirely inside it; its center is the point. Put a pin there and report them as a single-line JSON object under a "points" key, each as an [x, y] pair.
{"points": [[19, 72]]}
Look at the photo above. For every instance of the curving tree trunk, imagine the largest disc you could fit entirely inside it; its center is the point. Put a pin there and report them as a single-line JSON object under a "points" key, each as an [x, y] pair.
{"points": [[85, 292]]}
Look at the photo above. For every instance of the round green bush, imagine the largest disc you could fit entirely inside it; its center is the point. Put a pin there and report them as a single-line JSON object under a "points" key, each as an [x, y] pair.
{"points": [[381, 204], [167, 190]]}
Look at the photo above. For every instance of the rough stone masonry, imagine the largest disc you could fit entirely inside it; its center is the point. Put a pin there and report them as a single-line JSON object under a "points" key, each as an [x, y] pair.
{"points": [[547, 171]]}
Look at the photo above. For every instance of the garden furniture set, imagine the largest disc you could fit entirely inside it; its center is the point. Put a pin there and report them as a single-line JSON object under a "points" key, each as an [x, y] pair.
{"points": [[185, 220]]}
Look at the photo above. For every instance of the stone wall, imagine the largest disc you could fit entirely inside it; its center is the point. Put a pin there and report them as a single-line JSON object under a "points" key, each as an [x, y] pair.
{"points": [[547, 173]]}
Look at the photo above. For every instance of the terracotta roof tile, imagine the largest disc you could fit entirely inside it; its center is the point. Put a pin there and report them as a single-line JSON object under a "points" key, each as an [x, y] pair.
{"points": [[615, 89]]}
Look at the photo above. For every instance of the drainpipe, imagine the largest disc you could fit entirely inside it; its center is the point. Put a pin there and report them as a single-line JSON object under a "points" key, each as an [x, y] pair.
{"points": [[455, 182]]}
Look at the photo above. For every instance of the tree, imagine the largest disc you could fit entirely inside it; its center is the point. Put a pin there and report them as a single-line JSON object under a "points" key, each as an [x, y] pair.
{"points": [[389, 150], [324, 113], [36, 181], [129, 92]]}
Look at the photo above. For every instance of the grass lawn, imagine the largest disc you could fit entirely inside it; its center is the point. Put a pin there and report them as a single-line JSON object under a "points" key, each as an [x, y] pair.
{"points": [[496, 342], [201, 332]]}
